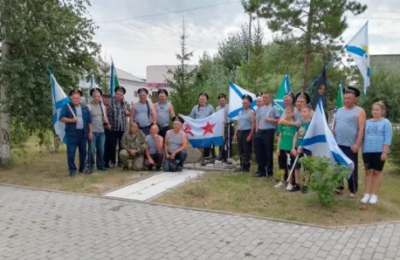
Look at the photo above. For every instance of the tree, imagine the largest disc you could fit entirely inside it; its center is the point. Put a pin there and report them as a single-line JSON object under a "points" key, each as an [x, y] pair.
{"points": [[182, 78], [234, 50], [319, 22], [41, 35]]}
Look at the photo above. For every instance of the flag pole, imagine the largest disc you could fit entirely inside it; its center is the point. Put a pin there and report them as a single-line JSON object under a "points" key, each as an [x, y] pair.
{"points": [[71, 110], [291, 171], [334, 58]]}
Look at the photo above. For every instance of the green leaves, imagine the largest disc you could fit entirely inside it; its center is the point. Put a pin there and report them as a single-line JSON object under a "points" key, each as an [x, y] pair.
{"points": [[44, 34], [322, 178]]}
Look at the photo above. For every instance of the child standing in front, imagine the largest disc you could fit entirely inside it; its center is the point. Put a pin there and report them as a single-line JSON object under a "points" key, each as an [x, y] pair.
{"points": [[285, 143], [377, 140], [298, 149]]}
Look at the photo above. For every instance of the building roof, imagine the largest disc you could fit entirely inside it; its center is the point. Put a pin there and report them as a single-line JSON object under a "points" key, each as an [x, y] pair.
{"points": [[127, 76], [385, 58]]}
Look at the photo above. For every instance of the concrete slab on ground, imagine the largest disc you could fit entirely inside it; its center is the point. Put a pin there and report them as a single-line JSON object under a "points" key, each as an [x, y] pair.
{"points": [[155, 185]]}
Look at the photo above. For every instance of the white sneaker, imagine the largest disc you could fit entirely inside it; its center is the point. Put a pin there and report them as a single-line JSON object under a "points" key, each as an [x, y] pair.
{"points": [[279, 185], [289, 187], [374, 199], [366, 198]]}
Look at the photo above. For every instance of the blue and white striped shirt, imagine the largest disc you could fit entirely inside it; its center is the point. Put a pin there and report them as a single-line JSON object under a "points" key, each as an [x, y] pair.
{"points": [[346, 126], [201, 112], [377, 134]]}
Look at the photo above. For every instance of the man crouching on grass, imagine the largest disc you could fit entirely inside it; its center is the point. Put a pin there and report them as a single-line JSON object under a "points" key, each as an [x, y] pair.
{"points": [[133, 146], [78, 129]]}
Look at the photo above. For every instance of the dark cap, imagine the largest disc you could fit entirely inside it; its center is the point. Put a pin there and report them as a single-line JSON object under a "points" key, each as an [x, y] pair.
{"points": [[221, 96], [303, 95], [290, 94], [203, 94], [76, 91], [163, 91], [106, 96], [351, 90], [96, 89], [143, 90], [178, 118], [120, 88], [248, 97]]}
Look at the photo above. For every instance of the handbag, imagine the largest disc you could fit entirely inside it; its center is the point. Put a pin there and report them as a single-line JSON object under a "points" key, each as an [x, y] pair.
{"points": [[173, 165]]}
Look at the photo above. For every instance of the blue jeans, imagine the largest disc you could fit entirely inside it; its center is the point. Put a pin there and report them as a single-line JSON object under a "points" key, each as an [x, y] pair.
{"points": [[77, 141], [181, 157], [96, 145]]}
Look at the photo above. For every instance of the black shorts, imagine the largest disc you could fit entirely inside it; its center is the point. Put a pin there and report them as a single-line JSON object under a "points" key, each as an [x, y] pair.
{"points": [[305, 152], [372, 161]]}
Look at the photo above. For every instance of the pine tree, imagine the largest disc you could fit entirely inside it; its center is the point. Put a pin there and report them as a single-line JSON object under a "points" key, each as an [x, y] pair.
{"points": [[320, 22], [183, 77]]}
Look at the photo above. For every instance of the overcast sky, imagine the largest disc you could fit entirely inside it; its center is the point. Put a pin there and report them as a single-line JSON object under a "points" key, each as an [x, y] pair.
{"points": [[138, 42]]}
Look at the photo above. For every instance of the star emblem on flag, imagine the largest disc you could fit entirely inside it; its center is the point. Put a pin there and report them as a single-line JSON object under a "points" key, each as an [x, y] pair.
{"points": [[208, 128]]}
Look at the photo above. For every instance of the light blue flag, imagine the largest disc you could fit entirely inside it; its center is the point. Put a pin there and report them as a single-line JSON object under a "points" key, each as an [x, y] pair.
{"points": [[93, 83], [235, 100], [320, 141], [59, 99], [358, 49]]}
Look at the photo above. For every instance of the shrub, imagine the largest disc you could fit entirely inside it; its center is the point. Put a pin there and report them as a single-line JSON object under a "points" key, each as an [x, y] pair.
{"points": [[323, 178], [394, 155]]}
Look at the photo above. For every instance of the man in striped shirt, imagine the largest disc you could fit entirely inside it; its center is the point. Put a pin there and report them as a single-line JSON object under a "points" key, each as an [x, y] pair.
{"points": [[349, 133]]}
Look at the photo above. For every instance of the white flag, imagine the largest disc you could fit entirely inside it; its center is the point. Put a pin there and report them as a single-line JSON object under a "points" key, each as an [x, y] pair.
{"points": [[320, 141], [358, 49], [235, 100], [204, 131], [59, 100]]}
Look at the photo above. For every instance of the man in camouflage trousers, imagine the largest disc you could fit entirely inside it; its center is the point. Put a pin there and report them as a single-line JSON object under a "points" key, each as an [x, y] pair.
{"points": [[133, 146]]}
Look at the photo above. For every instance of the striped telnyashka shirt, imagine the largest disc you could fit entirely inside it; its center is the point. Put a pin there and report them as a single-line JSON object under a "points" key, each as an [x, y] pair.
{"points": [[152, 143], [244, 120], [377, 134], [143, 114], [174, 141], [201, 112], [163, 115], [346, 126]]}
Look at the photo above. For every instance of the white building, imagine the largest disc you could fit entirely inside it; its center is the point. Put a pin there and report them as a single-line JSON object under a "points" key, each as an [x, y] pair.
{"points": [[130, 82], [156, 76]]}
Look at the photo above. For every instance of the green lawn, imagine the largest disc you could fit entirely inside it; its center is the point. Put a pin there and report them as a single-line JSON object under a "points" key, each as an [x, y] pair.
{"points": [[242, 193]]}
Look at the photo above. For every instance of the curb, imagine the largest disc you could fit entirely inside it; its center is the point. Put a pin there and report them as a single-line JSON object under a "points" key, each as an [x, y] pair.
{"points": [[203, 210]]}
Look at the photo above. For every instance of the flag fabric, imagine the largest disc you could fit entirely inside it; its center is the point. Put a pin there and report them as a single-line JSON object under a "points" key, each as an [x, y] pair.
{"points": [[114, 83], [93, 83], [202, 132], [282, 91], [59, 99], [358, 50], [339, 100], [235, 100], [320, 91], [320, 141]]}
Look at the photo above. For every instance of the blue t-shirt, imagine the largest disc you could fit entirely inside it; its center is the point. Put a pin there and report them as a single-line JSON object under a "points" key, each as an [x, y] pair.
{"points": [[377, 134]]}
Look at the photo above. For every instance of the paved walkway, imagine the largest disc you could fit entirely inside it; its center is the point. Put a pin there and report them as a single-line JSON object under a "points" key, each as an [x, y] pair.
{"points": [[155, 185], [49, 225]]}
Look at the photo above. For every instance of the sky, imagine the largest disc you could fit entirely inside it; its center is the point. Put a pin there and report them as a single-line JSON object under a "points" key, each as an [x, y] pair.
{"points": [[135, 36]]}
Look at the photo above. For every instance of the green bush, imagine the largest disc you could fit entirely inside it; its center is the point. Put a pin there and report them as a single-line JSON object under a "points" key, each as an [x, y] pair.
{"points": [[323, 178], [394, 155]]}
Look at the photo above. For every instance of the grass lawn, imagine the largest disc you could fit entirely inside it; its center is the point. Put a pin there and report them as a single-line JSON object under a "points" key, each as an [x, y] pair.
{"points": [[242, 193], [36, 167]]}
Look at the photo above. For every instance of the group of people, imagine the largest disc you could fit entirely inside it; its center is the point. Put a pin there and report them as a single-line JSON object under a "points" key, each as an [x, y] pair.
{"points": [[351, 130], [141, 132], [150, 143]]}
